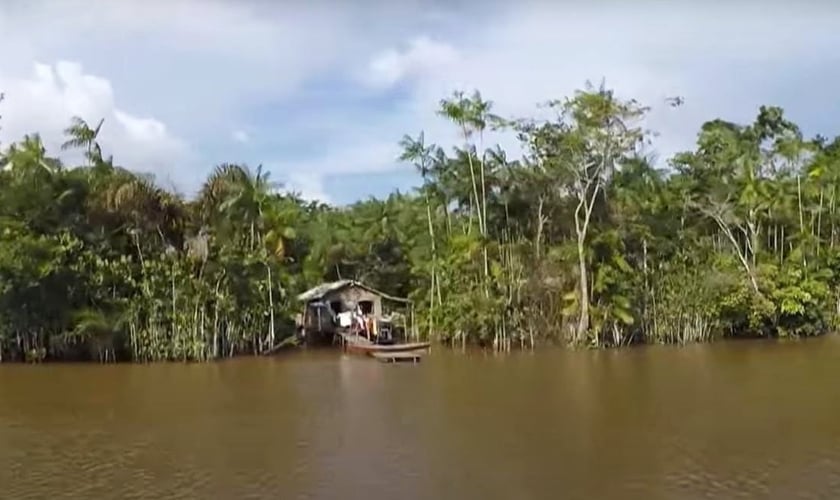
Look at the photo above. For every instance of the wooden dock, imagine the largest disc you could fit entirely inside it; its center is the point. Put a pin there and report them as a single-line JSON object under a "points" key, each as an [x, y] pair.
{"points": [[361, 345], [397, 357]]}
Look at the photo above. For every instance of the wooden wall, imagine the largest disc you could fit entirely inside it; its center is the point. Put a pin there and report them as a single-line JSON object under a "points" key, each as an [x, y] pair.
{"points": [[356, 294]]}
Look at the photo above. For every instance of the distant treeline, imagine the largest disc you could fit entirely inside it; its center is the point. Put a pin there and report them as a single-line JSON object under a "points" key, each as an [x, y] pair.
{"points": [[580, 241]]}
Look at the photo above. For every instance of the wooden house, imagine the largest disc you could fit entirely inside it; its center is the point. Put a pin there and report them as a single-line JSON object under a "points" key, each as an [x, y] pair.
{"points": [[322, 304]]}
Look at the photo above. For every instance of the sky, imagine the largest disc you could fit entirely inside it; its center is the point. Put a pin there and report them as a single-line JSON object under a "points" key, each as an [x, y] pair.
{"points": [[320, 92]]}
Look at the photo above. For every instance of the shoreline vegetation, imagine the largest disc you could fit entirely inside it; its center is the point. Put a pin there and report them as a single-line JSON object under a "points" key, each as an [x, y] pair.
{"points": [[583, 240]]}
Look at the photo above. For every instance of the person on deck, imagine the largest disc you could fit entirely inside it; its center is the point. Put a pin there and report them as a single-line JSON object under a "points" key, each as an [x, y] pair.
{"points": [[359, 320], [370, 324]]}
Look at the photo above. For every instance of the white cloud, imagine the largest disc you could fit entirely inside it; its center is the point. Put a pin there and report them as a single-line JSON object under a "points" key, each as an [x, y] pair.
{"points": [[308, 186], [725, 60], [307, 177], [240, 136], [194, 62], [423, 55], [48, 98], [143, 130], [190, 64], [335, 85]]}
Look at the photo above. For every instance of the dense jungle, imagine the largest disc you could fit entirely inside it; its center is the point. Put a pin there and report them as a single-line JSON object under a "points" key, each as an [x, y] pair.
{"points": [[585, 239]]}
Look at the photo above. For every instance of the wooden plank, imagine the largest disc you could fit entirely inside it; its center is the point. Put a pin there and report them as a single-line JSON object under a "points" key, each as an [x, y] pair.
{"points": [[396, 357], [363, 344], [411, 346], [356, 339]]}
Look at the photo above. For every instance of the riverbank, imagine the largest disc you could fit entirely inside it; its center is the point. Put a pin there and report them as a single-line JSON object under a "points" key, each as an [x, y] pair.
{"points": [[292, 345], [590, 242]]}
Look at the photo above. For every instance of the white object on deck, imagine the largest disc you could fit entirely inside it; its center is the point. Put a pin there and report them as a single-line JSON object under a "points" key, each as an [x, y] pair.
{"points": [[345, 319]]}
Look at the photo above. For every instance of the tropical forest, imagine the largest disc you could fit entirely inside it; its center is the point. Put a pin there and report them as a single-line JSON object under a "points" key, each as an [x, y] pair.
{"points": [[582, 237]]}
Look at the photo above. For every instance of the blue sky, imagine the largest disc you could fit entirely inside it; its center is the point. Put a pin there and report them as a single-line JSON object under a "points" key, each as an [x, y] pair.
{"points": [[320, 92]]}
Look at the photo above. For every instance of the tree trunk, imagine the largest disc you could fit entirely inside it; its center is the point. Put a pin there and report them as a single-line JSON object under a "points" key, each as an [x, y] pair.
{"points": [[432, 304], [753, 236], [583, 213], [203, 352], [270, 311], [434, 268], [819, 222], [216, 326], [647, 287], [831, 215], [474, 183], [782, 247], [583, 320], [174, 305], [801, 216], [742, 256], [540, 224], [448, 217], [799, 203]]}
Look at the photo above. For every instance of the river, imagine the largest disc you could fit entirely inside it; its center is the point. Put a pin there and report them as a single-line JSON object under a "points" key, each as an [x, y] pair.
{"points": [[747, 419]]}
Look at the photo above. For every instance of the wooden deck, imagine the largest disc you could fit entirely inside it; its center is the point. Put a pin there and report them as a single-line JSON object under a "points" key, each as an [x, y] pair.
{"points": [[397, 357], [387, 353], [357, 342]]}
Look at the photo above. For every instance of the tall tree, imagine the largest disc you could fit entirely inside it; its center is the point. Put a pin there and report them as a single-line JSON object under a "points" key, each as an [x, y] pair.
{"points": [[591, 135]]}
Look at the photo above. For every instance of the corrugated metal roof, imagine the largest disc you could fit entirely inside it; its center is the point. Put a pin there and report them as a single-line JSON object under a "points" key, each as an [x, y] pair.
{"points": [[318, 292]]}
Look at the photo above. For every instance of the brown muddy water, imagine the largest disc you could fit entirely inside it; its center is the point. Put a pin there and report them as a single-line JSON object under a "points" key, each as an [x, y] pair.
{"points": [[729, 420]]}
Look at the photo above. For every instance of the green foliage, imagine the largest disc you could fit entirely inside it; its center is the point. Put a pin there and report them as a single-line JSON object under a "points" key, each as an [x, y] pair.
{"points": [[581, 240]]}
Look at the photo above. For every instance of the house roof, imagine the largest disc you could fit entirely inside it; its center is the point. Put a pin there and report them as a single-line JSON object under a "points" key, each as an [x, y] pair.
{"points": [[320, 291]]}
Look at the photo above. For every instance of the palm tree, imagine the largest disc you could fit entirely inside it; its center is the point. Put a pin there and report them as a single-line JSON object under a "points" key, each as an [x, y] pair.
{"points": [[80, 135], [416, 151], [29, 154], [234, 195]]}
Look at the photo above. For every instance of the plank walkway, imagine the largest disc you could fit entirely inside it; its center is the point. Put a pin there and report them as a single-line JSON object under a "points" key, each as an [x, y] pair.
{"points": [[362, 342], [396, 357]]}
